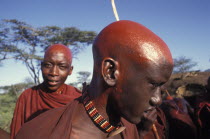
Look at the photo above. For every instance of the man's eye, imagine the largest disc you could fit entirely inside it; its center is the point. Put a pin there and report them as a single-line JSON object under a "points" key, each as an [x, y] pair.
{"points": [[63, 67], [47, 65], [155, 84]]}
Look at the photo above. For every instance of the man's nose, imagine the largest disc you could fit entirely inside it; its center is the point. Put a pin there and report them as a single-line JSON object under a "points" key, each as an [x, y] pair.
{"points": [[156, 99], [54, 71]]}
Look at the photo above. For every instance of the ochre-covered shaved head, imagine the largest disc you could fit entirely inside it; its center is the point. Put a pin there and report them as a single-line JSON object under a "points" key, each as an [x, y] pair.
{"points": [[59, 48], [131, 63], [132, 40]]}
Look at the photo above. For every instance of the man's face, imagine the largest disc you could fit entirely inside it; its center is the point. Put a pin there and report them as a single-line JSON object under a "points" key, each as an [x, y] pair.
{"points": [[141, 89], [55, 69]]}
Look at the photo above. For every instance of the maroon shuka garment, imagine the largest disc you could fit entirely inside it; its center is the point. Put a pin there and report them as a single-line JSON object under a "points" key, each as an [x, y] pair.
{"points": [[180, 123], [160, 125], [202, 105], [130, 131], [35, 101], [4, 134], [57, 124], [202, 112]]}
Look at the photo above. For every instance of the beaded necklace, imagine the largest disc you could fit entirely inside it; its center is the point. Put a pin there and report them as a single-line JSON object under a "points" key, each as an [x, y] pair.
{"points": [[98, 119]]}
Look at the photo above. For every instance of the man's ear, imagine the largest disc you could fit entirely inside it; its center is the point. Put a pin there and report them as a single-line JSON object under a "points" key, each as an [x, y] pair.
{"points": [[110, 71], [71, 69]]}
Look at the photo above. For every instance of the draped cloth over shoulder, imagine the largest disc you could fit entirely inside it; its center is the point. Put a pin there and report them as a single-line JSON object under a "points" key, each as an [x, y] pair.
{"points": [[179, 120], [35, 101], [59, 125]]}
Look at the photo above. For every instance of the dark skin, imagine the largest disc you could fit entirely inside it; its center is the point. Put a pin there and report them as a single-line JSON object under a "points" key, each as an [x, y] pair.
{"points": [[130, 66], [56, 67]]}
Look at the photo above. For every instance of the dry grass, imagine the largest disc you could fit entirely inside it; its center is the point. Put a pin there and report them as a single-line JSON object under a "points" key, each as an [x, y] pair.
{"points": [[193, 82]]}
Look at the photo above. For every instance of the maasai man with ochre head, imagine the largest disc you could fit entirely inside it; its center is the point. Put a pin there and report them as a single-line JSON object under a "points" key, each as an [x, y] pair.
{"points": [[52, 93]]}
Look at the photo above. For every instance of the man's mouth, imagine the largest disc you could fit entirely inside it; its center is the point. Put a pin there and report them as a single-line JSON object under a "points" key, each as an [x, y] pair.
{"points": [[52, 82]]}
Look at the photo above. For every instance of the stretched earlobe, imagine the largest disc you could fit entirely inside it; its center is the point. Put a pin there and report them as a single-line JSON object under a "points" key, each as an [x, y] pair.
{"points": [[110, 71]]}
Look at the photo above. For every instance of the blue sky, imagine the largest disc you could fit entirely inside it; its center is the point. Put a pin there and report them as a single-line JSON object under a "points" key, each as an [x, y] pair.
{"points": [[183, 24]]}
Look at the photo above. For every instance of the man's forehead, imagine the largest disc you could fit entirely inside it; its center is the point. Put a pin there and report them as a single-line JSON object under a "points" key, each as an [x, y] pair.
{"points": [[58, 53], [153, 54], [59, 48], [55, 51], [160, 70], [57, 57]]}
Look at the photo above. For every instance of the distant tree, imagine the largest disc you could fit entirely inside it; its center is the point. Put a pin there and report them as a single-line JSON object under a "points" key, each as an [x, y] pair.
{"points": [[16, 89], [82, 76], [183, 64], [22, 42]]}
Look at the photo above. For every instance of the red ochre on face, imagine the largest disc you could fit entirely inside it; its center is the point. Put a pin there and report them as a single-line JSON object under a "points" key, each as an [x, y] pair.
{"points": [[56, 66]]}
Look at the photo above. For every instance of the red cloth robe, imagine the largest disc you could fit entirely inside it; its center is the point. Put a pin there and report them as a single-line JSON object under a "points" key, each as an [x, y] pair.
{"points": [[203, 116], [181, 124], [161, 126], [57, 124], [4, 134], [35, 101]]}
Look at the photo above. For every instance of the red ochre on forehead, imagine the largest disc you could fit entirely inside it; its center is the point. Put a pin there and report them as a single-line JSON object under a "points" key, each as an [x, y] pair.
{"points": [[129, 36], [61, 49]]}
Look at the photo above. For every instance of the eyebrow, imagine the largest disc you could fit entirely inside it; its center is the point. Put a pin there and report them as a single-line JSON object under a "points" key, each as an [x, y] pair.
{"points": [[64, 63], [158, 82]]}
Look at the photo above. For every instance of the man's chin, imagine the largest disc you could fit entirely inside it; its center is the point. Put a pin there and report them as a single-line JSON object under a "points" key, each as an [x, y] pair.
{"points": [[52, 88]]}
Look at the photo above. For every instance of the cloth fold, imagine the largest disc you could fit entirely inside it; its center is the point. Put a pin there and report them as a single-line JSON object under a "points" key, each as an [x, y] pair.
{"points": [[34, 101]]}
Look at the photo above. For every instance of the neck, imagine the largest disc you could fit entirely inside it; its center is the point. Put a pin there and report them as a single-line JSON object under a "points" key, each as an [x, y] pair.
{"points": [[47, 90], [103, 103], [95, 88]]}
